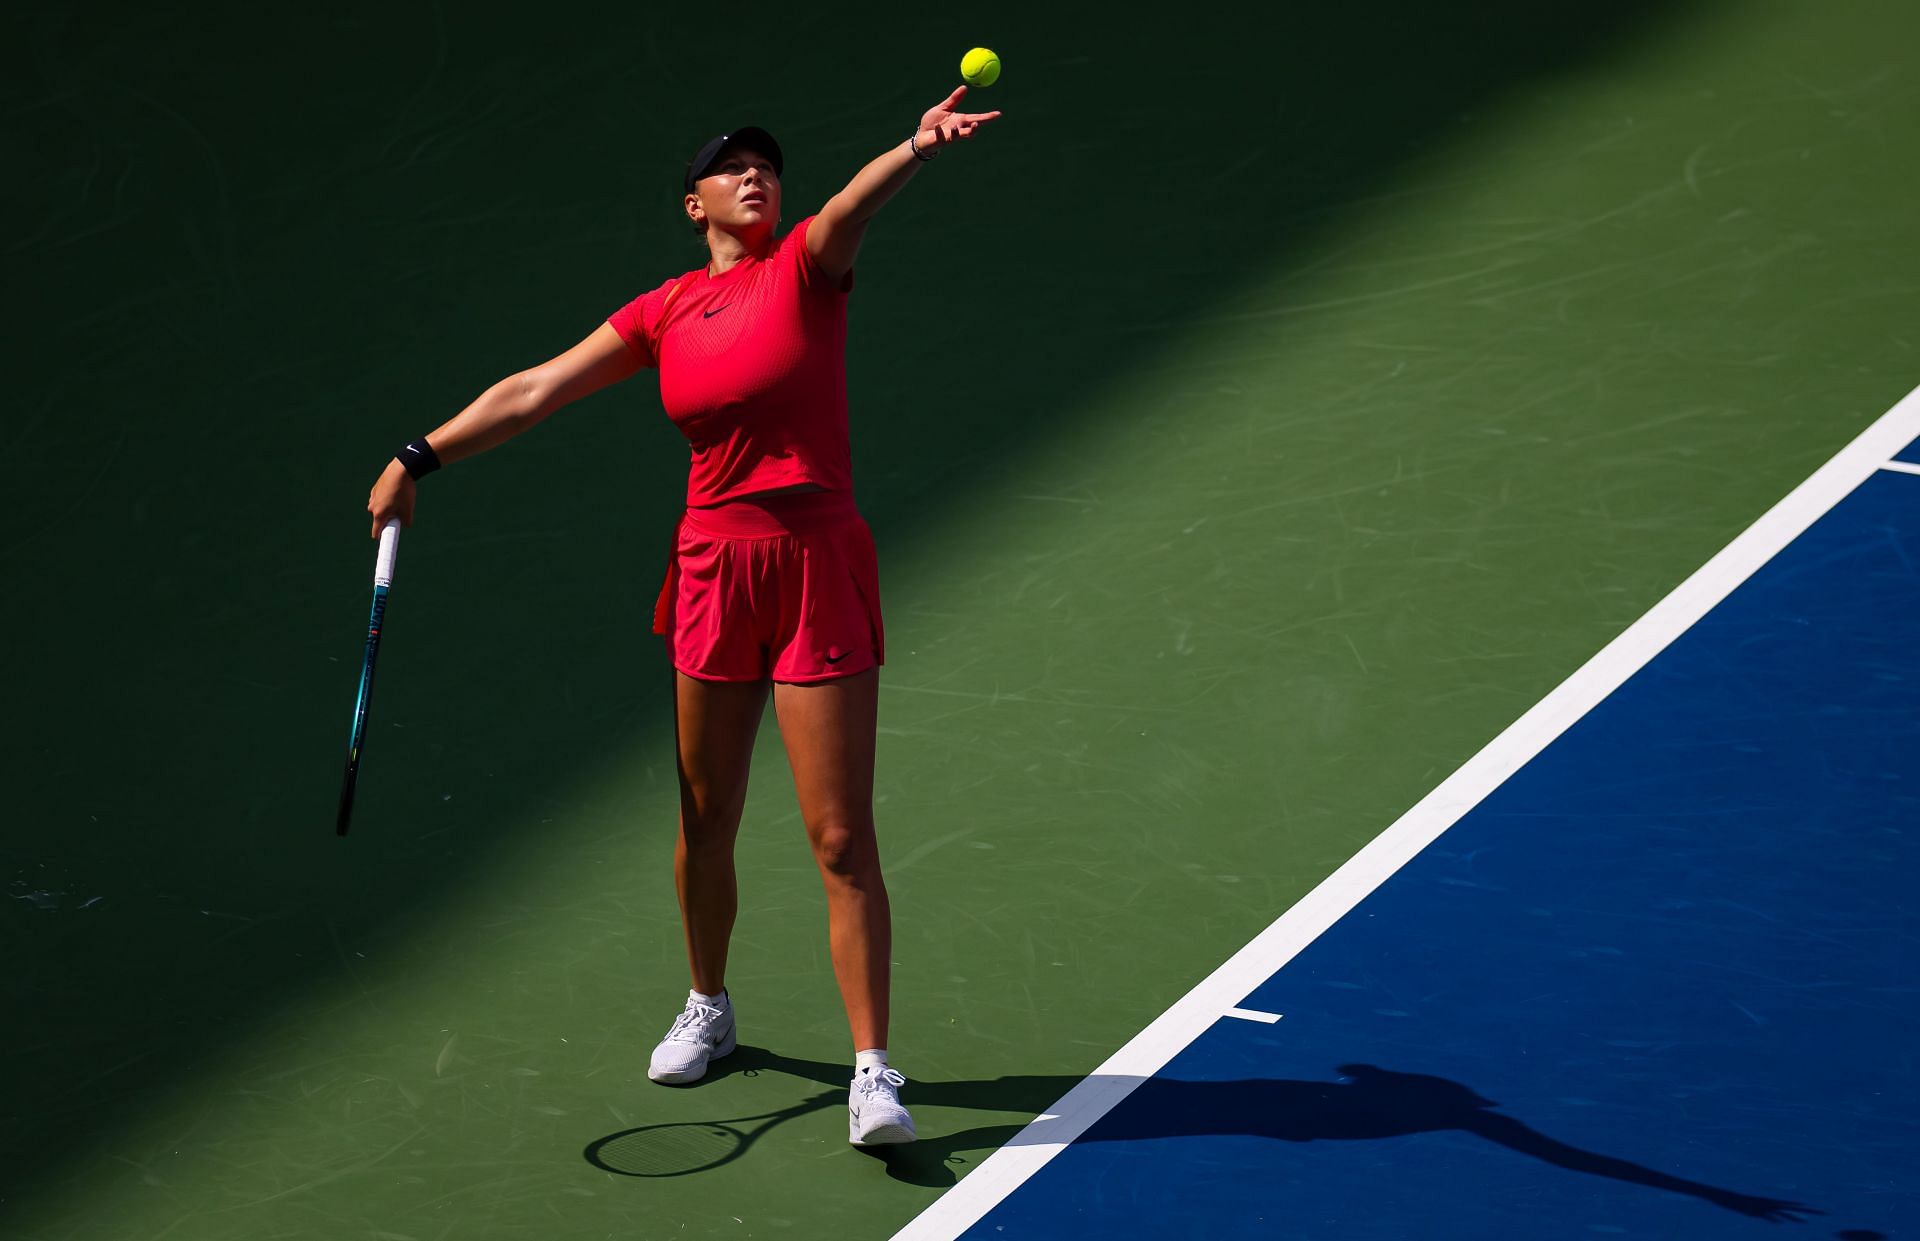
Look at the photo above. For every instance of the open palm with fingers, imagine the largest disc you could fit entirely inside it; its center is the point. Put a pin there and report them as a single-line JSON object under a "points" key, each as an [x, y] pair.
{"points": [[942, 125]]}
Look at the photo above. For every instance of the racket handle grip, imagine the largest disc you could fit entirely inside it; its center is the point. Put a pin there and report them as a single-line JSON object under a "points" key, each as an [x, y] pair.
{"points": [[389, 552]]}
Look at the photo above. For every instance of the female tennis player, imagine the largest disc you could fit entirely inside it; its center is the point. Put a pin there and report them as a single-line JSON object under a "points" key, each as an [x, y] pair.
{"points": [[772, 585]]}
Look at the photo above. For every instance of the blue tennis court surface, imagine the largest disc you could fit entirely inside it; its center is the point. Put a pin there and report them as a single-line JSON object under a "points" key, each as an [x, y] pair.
{"points": [[1659, 983]]}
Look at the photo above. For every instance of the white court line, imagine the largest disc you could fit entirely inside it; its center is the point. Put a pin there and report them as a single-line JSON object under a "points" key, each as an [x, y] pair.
{"points": [[1030, 1149], [1251, 1014], [1902, 466]]}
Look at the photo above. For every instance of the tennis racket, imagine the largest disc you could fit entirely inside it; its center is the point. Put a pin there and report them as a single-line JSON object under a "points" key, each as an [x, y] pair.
{"points": [[690, 1146], [382, 581]]}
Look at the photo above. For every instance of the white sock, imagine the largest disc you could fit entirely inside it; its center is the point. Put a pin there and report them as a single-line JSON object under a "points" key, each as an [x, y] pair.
{"points": [[711, 1001], [875, 1058]]}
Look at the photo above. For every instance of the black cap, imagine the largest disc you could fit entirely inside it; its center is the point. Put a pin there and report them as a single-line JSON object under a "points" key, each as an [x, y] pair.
{"points": [[751, 137]]}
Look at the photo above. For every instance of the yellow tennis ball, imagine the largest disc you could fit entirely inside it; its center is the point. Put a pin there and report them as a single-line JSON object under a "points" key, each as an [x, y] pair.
{"points": [[980, 67]]}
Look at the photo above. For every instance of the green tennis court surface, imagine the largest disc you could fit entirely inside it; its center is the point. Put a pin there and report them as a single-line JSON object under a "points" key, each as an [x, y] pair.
{"points": [[1253, 423]]}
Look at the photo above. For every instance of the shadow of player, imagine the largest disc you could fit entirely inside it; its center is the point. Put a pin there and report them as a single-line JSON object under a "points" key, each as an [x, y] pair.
{"points": [[1367, 1104]]}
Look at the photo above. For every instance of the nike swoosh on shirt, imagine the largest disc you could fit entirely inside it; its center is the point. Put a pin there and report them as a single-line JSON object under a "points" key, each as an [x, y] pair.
{"points": [[711, 313]]}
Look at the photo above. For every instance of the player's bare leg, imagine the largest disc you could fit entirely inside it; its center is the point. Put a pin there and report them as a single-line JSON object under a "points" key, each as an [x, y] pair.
{"points": [[828, 728], [714, 727]]}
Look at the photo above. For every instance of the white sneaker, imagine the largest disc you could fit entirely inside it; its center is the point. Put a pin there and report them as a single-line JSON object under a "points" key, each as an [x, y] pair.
{"points": [[700, 1033], [874, 1114]]}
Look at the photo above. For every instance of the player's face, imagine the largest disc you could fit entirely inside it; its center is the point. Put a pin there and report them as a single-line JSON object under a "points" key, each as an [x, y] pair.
{"points": [[740, 190]]}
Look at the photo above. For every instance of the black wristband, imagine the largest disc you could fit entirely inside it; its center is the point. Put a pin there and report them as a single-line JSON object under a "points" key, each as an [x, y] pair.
{"points": [[418, 459], [913, 144]]}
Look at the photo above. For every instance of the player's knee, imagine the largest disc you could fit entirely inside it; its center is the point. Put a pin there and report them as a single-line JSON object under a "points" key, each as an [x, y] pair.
{"points": [[843, 846], [708, 826]]}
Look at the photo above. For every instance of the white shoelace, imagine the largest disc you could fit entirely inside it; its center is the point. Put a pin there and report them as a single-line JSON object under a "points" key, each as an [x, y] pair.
{"points": [[889, 1077], [691, 1025]]}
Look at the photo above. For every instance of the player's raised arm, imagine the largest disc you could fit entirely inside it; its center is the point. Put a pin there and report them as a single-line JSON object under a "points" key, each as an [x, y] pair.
{"points": [[513, 405], [835, 235]]}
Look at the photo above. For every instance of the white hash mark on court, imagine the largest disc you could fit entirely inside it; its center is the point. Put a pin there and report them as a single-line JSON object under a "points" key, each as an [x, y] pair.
{"points": [[1253, 1014]]}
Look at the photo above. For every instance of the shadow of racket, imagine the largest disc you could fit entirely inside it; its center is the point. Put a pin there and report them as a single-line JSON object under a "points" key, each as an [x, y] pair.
{"points": [[686, 1147]]}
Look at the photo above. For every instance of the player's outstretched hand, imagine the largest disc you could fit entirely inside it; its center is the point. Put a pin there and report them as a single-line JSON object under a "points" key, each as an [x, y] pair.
{"points": [[392, 496], [942, 126]]}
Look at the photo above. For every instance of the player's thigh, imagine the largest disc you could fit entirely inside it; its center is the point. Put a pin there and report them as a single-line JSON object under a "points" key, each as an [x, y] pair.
{"points": [[828, 728], [714, 726]]}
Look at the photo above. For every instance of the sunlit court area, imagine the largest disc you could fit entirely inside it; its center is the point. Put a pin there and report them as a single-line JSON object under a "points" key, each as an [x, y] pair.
{"points": [[1399, 536]]}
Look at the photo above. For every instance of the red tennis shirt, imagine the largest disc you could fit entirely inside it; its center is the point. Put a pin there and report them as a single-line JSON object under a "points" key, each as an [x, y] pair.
{"points": [[752, 370]]}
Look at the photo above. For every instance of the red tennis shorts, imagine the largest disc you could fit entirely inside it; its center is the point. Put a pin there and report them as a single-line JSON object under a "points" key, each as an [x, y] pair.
{"points": [[786, 587]]}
